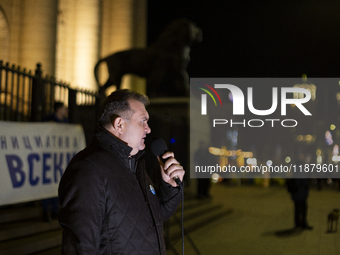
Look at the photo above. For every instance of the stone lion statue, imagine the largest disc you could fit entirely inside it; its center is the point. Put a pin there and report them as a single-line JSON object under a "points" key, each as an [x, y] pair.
{"points": [[163, 64]]}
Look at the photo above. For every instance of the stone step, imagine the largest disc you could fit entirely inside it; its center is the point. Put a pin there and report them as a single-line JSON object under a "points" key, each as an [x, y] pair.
{"points": [[53, 251], [195, 220], [32, 244], [194, 203], [19, 213], [196, 211], [26, 228]]}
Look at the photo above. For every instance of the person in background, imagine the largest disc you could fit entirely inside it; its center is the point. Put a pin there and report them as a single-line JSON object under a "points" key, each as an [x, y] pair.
{"points": [[59, 115], [299, 190], [50, 206], [108, 204], [203, 157]]}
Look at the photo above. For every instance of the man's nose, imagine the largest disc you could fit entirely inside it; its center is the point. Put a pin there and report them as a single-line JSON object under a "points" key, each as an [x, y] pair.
{"points": [[147, 129]]}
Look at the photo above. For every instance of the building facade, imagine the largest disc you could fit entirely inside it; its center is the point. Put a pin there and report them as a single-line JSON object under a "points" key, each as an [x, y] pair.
{"points": [[68, 37]]}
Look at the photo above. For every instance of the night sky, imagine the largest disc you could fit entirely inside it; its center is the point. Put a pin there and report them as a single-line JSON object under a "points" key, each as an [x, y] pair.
{"points": [[257, 38]]}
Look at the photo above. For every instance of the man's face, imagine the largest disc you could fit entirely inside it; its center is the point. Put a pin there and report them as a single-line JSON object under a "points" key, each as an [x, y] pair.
{"points": [[136, 127]]}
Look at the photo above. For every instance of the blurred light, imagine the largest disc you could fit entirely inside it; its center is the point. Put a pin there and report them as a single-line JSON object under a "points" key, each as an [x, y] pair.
{"points": [[246, 154], [238, 152], [252, 161], [336, 158], [335, 150], [306, 85], [308, 138], [214, 151], [338, 97], [230, 96], [269, 163], [319, 159], [240, 161], [304, 77], [332, 127], [328, 137], [288, 159], [228, 153], [172, 140], [215, 178], [318, 152]]}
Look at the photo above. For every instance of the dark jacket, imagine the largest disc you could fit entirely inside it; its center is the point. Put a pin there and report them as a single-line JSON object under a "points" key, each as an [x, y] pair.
{"points": [[108, 203], [299, 189], [297, 186]]}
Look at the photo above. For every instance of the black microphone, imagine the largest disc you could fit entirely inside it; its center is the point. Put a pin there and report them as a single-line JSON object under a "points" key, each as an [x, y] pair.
{"points": [[158, 148]]}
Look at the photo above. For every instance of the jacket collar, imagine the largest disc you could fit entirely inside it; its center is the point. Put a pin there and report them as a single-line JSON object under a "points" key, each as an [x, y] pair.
{"points": [[109, 141]]}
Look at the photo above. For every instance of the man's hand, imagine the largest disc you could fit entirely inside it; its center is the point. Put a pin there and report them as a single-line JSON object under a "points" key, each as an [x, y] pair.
{"points": [[171, 168]]}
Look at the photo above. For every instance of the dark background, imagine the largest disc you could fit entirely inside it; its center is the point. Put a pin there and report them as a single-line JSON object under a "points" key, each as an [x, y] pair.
{"points": [[278, 38], [257, 38]]}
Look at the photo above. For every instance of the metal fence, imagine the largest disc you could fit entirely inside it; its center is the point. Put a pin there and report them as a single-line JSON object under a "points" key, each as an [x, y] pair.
{"points": [[28, 97]]}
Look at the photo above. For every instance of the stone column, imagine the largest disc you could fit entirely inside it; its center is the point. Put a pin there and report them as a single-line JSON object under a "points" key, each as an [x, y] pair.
{"points": [[123, 28], [38, 34], [139, 38], [86, 42], [78, 41], [4, 38]]}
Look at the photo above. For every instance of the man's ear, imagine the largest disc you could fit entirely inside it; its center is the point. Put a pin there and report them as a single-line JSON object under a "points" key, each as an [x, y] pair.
{"points": [[118, 124]]}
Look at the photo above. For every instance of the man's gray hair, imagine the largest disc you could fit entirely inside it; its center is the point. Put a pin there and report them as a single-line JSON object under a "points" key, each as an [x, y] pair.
{"points": [[117, 105]]}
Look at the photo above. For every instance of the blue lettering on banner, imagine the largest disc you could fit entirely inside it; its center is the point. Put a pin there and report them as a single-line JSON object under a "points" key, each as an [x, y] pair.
{"points": [[53, 141], [58, 166], [15, 142], [67, 142], [14, 164], [38, 141], [18, 174], [27, 143], [3, 142], [30, 159], [48, 142], [46, 168], [60, 139]]}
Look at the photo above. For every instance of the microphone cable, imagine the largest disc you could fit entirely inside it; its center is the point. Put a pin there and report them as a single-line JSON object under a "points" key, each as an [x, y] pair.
{"points": [[158, 148], [180, 184]]}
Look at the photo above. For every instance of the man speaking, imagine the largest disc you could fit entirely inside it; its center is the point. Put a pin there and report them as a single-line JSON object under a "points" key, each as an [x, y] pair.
{"points": [[108, 204]]}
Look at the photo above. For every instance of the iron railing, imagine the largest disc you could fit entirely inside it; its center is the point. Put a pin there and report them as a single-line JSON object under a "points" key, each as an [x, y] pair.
{"points": [[28, 97]]}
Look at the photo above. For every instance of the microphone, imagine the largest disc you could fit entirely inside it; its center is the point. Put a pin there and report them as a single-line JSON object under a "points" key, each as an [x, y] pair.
{"points": [[158, 148]]}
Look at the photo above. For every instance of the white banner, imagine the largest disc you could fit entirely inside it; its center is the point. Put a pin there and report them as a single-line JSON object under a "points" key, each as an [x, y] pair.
{"points": [[33, 157]]}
